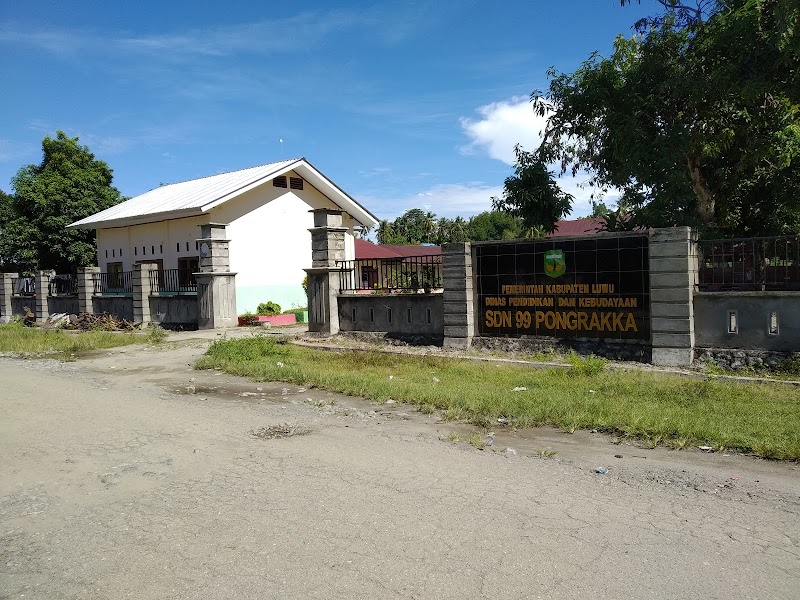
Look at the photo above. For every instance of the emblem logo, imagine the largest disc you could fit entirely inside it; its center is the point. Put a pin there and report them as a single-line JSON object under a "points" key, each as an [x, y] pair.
{"points": [[554, 265]]}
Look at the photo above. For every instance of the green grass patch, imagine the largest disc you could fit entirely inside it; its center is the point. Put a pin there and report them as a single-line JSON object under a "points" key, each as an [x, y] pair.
{"points": [[33, 340], [656, 408]]}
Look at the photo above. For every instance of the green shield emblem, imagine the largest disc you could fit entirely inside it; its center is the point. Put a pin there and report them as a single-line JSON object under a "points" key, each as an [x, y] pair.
{"points": [[554, 265]]}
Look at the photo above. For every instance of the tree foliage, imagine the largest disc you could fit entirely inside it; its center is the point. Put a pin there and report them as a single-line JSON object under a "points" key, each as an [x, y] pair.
{"points": [[419, 227], [532, 195], [696, 118], [68, 185]]}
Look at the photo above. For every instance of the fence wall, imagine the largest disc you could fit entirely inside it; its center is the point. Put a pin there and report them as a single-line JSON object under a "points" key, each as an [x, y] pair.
{"points": [[395, 314], [174, 311], [747, 320], [119, 306]]}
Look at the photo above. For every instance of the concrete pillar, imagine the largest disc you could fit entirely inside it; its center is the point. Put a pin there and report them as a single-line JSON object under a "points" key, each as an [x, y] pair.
{"points": [[141, 291], [86, 278], [673, 275], [327, 247], [459, 295], [216, 285], [42, 282], [6, 292]]}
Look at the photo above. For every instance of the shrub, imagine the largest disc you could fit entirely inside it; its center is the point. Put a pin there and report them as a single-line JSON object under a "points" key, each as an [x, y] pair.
{"points": [[268, 308], [791, 364]]}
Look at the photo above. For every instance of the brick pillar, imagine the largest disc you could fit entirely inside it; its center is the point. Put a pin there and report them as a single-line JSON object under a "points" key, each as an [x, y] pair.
{"points": [[6, 292], [86, 277], [327, 247], [141, 291], [459, 295], [216, 285], [673, 274], [42, 282]]}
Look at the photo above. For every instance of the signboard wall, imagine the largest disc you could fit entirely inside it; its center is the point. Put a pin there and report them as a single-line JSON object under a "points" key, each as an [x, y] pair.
{"points": [[592, 287]]}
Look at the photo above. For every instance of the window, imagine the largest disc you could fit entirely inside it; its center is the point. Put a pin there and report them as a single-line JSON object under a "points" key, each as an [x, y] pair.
{"points": [[354, 315], [428, 314], [773, 322], [135, 251], [408, 315], [279, 181], [371, 315], [187, 267], [733, 321], [114, 275], [178, 247], [187, 246], [295, 183], [389, 314], [113, 253]]}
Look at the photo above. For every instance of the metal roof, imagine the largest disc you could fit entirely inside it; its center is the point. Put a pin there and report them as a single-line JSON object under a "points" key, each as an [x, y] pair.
{"points": [[197, 196]]}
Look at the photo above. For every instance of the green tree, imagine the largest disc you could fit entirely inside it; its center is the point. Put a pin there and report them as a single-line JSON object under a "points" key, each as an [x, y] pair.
{"points": [[696, 119], [494, 225], [68, 185], [532, 195]]}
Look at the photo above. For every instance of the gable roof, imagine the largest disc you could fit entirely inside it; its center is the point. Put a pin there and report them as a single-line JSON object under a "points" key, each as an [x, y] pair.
{"points": [[198, 196], [364, 249]]}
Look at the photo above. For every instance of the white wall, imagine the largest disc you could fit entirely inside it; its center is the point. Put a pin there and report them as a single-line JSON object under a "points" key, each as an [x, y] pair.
{"points": [[151, 241], [270, 242]]}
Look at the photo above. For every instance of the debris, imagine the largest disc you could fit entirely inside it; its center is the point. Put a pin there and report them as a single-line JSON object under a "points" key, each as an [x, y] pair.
{"points": [[706, 448], [490, 439], [390, 401], [436, 380], [391, 377], [618, 456], [593, 431], [601, 470], [502, 420], [102, 321], [520, 389], [592, 391], [510, 452], [279, 363], [734, 478]]}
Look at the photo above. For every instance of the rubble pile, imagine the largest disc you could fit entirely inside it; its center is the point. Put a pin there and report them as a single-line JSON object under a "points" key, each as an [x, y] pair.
{"points": [[87, 321]]}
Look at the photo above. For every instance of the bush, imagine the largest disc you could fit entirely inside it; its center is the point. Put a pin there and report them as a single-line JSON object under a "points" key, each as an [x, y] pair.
{"points": [[791, 364], [268, 309]]}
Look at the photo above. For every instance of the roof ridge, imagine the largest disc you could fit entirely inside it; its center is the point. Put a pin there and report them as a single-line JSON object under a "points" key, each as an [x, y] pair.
{"points": [[288, 160]]}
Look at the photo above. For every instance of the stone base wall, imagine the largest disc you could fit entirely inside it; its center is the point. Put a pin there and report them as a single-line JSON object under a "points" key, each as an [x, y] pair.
{"points": [[612, 349], [174, 312], [740, 359]]}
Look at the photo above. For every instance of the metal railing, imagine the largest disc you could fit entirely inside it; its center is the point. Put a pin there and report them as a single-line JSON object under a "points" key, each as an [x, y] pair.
{"points": [[23, 286], [173, 281], [63, 285], [113, 284], [407, 274], [749, 264]]}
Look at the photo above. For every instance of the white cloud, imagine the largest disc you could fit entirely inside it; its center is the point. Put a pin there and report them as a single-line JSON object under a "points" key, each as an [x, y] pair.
{"points": [[445, 200], [502, 126]]}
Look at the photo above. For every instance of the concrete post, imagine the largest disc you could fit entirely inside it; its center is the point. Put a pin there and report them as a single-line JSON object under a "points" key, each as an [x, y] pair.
{"points": [[42, 282], [141, 291], [673, 275], [86, 277], [327, 247], [459, 295], [216, 285], [6, 292]]}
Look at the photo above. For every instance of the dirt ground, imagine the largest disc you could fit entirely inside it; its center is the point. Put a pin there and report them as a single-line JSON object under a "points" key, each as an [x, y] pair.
{"points": [[128, 474]]}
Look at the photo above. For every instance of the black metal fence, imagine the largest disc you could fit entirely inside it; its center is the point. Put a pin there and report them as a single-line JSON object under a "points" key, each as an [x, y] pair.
{"points": [[173, 281], [63, 285], [23, 286], [407, 274], [119, 284], [770, 263]]}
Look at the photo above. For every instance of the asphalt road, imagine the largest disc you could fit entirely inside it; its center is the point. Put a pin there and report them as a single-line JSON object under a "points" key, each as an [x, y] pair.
{"points": [[131, 476]]}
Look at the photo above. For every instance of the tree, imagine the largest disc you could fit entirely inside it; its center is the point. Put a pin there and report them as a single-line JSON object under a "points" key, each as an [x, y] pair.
{"points": [[494, 225], [68, 185], [696, 119], [532, 194]]}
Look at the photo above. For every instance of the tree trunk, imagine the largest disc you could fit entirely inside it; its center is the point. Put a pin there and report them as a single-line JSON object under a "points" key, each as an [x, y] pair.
{"points": [[705, 199]]}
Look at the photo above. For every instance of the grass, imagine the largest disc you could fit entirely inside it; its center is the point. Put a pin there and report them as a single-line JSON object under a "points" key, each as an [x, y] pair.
{"points": [[32, 340], [659, 409]]}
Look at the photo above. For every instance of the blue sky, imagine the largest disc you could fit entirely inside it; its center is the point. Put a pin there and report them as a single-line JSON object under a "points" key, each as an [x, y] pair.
{"points": [[402, 104]]}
